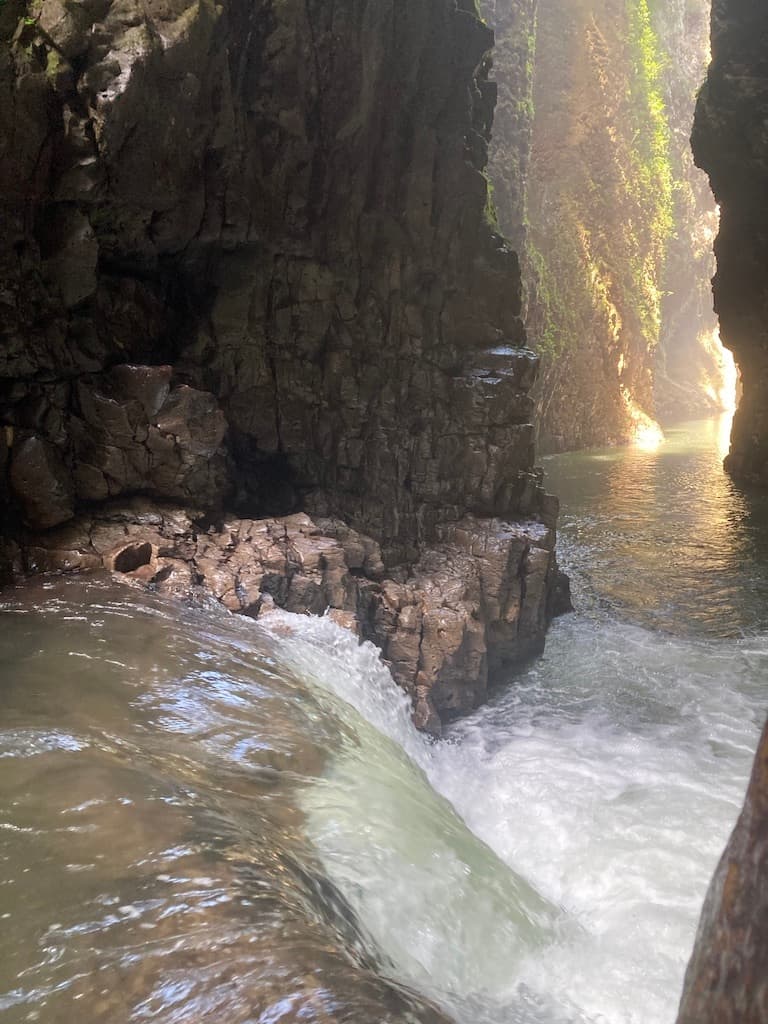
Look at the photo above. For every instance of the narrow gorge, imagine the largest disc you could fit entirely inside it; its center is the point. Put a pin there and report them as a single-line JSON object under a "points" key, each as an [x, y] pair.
{"points": [[346, 348], [594, 180]]}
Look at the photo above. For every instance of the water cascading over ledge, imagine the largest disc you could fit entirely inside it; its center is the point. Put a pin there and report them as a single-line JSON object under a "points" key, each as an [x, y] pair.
{"points": [[258, 330]]}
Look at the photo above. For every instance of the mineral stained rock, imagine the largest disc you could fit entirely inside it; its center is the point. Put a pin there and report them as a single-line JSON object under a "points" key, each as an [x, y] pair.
{"points": [[730, 141], [727, 978], [248, 271]]}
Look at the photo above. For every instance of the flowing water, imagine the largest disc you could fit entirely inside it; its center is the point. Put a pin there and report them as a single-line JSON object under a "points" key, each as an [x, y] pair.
{"points": [[205, 818]]}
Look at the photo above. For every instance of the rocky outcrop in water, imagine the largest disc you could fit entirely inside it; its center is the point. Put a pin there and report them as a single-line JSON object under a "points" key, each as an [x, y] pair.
{"points": [[730, 142], [248, 269], [476, 603], [727, 978]]}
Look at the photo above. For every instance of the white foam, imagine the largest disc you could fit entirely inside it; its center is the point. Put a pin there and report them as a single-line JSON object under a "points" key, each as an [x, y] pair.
{"points": [[607, 781]]}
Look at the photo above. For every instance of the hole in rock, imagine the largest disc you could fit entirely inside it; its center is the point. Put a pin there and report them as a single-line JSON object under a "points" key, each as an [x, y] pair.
{"points": [[133, 556]]}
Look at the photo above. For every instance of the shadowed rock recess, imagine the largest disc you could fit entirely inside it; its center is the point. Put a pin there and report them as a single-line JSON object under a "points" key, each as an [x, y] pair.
{"points": [[258, 333], [730, 142]]}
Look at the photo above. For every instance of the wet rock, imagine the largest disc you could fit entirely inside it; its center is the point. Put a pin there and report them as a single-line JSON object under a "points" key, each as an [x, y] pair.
{"points": [[70, 254], [475, 605], [148, 385], [562, 603], [41, 483], [727, 978], [136, 433], [131, 557]]}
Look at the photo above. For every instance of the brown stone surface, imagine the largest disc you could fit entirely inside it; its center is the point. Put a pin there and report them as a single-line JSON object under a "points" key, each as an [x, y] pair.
{"points": [[247, 266], [132, 432], [40, 483], [727, 978], [730, 141], [476, 603]]}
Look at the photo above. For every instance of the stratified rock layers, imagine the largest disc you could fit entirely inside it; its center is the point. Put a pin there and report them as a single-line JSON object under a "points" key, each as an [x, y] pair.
{"points": [[248, 268], [727, 978], [730, 142]]}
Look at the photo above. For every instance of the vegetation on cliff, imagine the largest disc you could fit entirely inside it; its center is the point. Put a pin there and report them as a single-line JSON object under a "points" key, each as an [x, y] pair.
{"points": [[608, 189]]}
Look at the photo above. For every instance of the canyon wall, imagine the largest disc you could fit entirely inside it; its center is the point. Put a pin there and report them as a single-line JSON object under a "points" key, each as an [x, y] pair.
{"points": [[514, 57], [692, 376], [727, 978], [730, 142], [614, 223], [598, 207], [252, 291]]}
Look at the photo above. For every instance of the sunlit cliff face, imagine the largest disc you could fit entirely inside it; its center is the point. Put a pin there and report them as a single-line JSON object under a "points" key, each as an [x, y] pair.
{"points": [[722, 384], [645, 431]]}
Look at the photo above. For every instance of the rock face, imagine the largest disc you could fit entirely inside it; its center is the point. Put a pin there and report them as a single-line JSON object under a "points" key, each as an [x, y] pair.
{"points": [[612, 220], [691, 375], [514, 56], [248, 268], [730, 142], [592, 208], [727, 978]]}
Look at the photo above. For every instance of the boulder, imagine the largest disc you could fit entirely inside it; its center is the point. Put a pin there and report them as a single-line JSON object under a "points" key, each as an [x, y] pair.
{"points": [[41, 483]]}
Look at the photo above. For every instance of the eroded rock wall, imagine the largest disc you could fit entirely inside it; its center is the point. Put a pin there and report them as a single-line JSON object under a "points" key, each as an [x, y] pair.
{"points": [[727, 978], [593, 211], [249, 269], [730, 142]]}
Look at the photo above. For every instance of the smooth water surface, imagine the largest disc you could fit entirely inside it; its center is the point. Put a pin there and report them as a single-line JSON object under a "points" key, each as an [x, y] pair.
{"points": [[205, 818], [662, 538]]}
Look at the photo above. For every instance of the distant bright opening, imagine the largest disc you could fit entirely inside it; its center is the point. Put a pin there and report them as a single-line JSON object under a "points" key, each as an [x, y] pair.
{"points": [[722, 383], [646, 432]]}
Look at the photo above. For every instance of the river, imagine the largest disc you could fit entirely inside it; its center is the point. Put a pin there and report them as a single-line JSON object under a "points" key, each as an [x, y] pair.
{"points": [[206, 818]]}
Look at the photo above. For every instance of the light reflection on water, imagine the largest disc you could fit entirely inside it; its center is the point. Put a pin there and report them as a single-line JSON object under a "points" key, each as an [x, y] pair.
{"points": [[662, 536], [152, 859]]}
